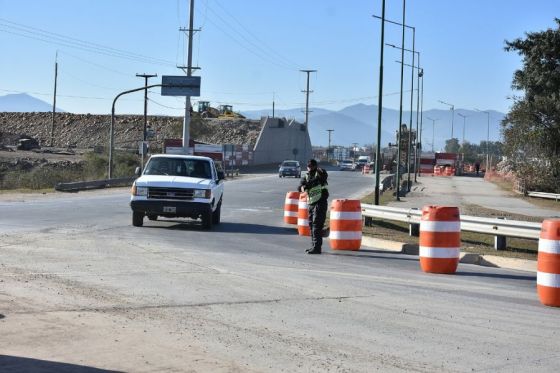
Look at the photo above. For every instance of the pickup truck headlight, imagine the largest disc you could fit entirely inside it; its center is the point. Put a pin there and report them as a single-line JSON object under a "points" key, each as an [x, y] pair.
{"points": [[139, 191], [202, 193]]}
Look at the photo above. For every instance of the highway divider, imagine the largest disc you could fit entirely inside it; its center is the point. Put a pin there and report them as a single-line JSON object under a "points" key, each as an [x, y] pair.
{"points": [[94, 184]]}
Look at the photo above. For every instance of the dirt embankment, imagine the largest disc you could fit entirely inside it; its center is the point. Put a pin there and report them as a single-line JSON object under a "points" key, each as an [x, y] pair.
{"points": [[87, 130]]}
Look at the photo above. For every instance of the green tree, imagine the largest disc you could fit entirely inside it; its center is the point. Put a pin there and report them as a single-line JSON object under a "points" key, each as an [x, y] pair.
{"points": [[452, 145], [532, 127]]}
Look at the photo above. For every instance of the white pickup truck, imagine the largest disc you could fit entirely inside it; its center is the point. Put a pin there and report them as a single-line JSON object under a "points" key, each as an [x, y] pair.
{"points": [[178, 186]]}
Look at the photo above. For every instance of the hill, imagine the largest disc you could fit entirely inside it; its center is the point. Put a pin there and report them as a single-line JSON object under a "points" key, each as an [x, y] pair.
{"points": [[22, 102]]}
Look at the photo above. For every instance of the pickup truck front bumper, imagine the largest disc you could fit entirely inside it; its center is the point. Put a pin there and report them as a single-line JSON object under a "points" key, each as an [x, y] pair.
{"points": [[171, 208]]}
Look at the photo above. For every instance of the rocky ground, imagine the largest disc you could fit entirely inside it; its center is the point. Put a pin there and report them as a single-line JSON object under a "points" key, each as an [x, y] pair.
{"points": [[87, 130]]}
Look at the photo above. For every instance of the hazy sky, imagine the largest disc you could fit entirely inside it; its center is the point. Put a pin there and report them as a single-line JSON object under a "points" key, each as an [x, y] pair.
{"points": [[250, 50]]}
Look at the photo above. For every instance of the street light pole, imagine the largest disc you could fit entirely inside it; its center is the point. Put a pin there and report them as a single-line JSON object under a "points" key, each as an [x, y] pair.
{"points": [[452, 114], [487, 137], [420, 74], [329, 148], [464, 125], [433, 131], [379, 108]]}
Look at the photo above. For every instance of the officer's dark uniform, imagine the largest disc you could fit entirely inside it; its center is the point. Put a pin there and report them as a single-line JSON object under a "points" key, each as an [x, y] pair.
{"points": [[315, 184]]}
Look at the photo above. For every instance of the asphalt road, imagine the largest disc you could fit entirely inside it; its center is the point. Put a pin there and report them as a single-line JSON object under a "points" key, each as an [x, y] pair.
{"points": [[83, 290]]}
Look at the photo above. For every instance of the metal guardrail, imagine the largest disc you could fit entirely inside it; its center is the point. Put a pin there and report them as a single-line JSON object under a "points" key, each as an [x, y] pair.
{"points": [[232, 172], [500, 228], [553, 196], [94, 184]]}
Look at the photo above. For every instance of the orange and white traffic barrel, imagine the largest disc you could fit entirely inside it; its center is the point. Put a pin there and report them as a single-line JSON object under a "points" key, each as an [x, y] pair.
{"points": [[440, 239], [346, 224], [291, 208], [548, 263], [303, 216]]}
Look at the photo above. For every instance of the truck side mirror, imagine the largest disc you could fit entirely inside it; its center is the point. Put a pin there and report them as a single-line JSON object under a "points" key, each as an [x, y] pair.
{"points": [[221, 175], [137, 171]]}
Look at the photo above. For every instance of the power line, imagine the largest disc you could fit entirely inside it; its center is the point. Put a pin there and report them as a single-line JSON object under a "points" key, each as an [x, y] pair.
{"points": [[59, 39], [264, 45], [271, 60]]}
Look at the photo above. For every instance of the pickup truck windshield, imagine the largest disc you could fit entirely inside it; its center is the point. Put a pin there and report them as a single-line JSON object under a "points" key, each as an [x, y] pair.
{"points": [[179, 167]]}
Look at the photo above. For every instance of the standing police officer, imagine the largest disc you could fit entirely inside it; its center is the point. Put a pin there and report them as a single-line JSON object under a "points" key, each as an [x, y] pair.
{"points": [[315, 184]]}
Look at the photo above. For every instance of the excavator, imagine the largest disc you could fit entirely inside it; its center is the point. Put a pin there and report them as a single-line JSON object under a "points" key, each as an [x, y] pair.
{"points": [[222, 112]]}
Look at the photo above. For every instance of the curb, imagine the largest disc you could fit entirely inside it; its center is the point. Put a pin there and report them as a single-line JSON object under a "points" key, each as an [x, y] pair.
{"points": [[466, 258]]}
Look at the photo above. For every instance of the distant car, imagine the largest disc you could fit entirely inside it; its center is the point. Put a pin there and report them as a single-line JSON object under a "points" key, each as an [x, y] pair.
{"points": [[289, 168], [347, 164]]}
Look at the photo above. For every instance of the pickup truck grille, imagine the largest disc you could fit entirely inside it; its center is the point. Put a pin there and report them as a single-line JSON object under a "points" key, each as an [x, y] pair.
{"points": [[170, 193]]}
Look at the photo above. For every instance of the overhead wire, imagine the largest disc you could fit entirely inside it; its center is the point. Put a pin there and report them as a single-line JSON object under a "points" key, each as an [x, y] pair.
{"points": [[243, 45], [14, 28], [250, 33]]}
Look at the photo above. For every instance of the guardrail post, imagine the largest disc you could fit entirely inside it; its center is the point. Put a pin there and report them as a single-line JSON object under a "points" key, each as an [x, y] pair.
{"points": [[500, 241], [414, 230]]}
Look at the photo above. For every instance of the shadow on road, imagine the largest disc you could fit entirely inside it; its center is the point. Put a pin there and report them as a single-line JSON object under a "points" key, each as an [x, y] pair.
{"points": [[24, 364], [498, 275], [370, 254], [224, 227]]}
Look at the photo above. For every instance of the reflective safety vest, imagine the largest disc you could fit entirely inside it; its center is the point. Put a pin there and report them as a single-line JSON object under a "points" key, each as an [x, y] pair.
{"points": [[314, 194]]}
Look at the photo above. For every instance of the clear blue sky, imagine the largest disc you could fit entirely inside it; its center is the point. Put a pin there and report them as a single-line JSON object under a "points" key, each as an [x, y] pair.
{"points": [[250, 49]]}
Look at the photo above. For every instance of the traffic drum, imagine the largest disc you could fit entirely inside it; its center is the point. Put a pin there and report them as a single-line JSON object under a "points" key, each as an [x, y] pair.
{"points": [[303, 216], [291, 208], [346, 224], [440, 239], [548, 263]]}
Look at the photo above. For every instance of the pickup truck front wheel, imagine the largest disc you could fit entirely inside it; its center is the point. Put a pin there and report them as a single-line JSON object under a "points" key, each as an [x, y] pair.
{"points": [[137, 219], [207, 220], [216, 214]]}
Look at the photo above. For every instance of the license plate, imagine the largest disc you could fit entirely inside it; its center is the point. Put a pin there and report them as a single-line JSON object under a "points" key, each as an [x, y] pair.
{"points": [[171, 209]]}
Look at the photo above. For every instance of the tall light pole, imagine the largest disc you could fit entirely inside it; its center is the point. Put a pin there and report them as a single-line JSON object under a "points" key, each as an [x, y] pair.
{"points": [[420, 73], [452, 114], [487, 137], [464, 125], [403, 24], [329, 148], [379, 108], [433, 131]]}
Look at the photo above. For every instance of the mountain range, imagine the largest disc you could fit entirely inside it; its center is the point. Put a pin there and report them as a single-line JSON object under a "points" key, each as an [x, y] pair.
{"points": [[353, 124], [358, 124]]}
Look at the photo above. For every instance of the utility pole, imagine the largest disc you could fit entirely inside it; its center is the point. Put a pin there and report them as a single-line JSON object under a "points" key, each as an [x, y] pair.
{"points": [[189, 67], [146, 77], [273, 99], [329, 148], [307, 92], [54, 98]]}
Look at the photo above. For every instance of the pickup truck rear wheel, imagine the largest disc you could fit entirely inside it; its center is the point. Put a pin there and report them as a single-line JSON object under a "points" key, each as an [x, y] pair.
{"points": [[207, 220], [137, 219], [152, 217]]}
